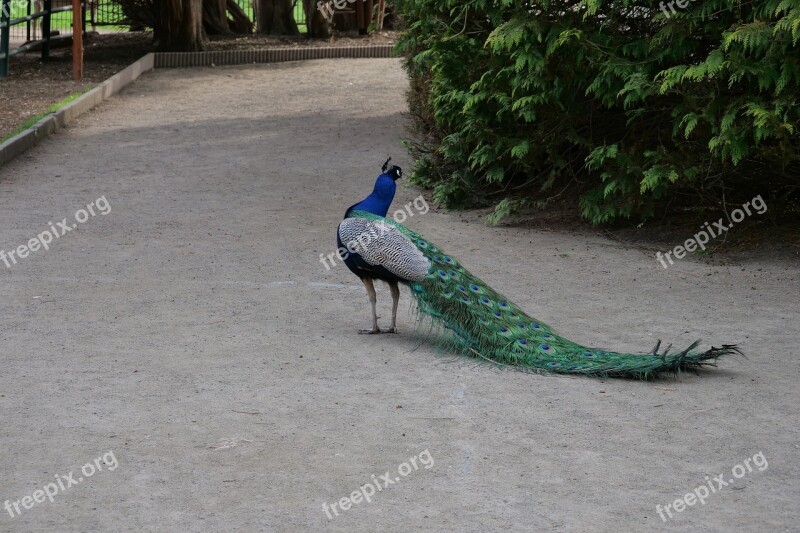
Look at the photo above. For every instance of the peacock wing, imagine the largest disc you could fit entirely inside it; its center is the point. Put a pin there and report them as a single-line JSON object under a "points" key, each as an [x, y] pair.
{"points": [[381, 244]]}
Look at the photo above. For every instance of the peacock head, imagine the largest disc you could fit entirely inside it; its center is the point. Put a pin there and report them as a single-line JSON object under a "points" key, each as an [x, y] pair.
{"points": [[393, 171]]}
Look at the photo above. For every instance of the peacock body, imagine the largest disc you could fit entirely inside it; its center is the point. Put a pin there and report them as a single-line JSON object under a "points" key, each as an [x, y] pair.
{"points": [[482, 322]]}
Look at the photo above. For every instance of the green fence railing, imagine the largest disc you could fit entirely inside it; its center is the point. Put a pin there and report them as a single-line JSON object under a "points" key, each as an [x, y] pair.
{"points": [[7, 23]]}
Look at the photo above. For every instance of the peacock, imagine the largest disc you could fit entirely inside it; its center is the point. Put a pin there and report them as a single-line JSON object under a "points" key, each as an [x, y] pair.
{"points": [[482, 323]]}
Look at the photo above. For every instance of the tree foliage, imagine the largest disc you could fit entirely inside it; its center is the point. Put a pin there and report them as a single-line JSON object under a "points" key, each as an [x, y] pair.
{"points": [[627, 104]]}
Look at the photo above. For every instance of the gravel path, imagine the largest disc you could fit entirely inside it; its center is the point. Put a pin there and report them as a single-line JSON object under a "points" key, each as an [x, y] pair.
{"points": [[191, 341]]}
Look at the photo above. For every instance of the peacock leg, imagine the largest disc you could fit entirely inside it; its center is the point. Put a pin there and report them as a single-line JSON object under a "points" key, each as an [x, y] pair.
{"points": [[395, 300], [372, 301]]}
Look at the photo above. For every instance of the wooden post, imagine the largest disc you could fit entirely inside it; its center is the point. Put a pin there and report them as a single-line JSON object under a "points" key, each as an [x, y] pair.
{"points": [[77, 40]]}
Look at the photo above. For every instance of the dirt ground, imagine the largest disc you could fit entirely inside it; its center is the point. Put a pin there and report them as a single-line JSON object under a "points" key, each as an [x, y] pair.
{"points": [[191, 341], [34, 85]]}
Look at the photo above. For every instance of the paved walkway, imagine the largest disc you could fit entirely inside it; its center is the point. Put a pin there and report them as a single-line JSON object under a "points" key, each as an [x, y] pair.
{"points": [[191, 341]]}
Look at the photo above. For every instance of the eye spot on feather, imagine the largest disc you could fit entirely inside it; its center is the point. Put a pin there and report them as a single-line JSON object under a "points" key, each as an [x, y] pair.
{"points": [[553, 364], [486, 300], [442, 273], [535, 325], [422, 244], [503, 304], [522, 342], [474, 288], [416, 287], [521, 326], [588, 354], [448, 260], [548, 337], [461, 288], [464, 299], [498, 314], [546, 348]]}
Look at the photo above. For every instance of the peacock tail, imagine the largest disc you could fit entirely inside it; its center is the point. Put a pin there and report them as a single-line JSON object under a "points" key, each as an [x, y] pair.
{"points": [[487, 325]]}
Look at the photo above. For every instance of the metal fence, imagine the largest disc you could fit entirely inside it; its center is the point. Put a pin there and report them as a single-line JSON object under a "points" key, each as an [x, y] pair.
{"points": [[39, 14], [25, 24], [98, 14]]}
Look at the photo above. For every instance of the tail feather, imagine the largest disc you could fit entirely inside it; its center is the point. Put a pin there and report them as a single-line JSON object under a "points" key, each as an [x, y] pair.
{"points": [[485, 324]]}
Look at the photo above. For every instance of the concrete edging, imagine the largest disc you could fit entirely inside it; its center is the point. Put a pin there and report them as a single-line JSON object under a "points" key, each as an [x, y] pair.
{"points": [[28, 138], [52, 122]]}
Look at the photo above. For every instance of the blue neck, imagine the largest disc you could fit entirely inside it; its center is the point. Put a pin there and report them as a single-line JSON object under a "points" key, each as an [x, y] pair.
{"points": [[381, 198]]}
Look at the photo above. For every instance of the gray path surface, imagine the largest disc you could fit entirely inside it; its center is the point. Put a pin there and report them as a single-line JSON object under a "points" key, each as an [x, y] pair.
{"points": [[192, 336]]}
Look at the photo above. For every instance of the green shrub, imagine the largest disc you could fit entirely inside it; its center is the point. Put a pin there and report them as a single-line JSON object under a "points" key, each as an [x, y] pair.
{"points": [[624, 105]]}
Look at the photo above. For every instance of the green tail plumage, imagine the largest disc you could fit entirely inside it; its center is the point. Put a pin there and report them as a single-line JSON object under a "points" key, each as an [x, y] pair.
{"points": [[489, 326]]}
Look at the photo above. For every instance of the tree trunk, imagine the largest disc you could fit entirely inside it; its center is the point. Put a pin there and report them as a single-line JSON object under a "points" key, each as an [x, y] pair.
{"points": [[317, 23], [215, 17], [180, 26], [276, 17], [240, 22]]}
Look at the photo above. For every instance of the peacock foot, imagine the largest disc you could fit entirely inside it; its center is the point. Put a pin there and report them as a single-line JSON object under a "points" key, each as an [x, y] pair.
{"points": [[369, 331], [391, 330]]}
